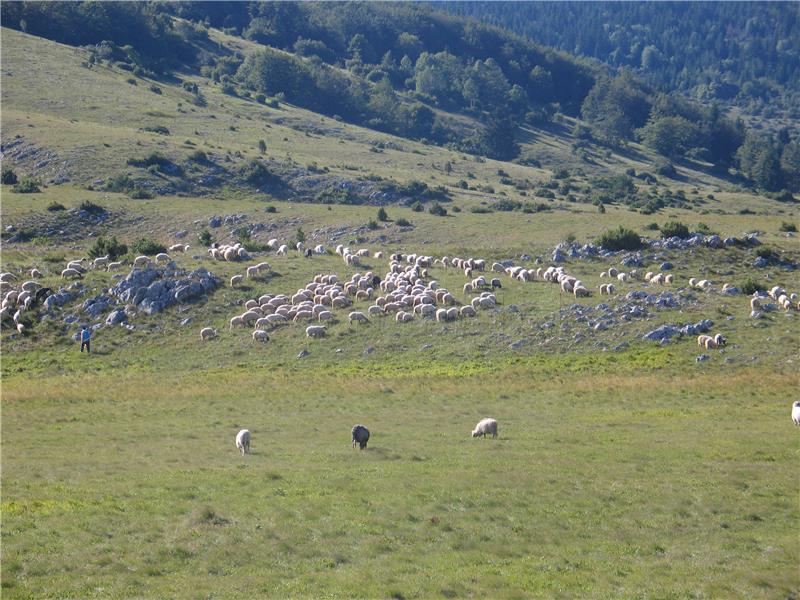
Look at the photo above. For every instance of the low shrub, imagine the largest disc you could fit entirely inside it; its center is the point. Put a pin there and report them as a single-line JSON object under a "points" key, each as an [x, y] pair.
{"points": [[674, 229], [147, 246], [403, 222], [55, 206], [788, 227], [27, 185], [620, 239], [107, 247], [92, 208], [751, 286], [8, 176]]}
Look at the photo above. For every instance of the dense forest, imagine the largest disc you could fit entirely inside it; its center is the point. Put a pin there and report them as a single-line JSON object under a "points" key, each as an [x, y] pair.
{"points": [[403, 68], [747, 53]]}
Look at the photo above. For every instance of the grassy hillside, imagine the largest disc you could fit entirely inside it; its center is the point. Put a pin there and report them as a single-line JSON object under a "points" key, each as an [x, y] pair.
{"points": [[624, 467]]}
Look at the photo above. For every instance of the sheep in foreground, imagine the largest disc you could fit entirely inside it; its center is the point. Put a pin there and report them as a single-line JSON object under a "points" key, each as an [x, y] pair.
{"points": [[796, 412], [485, 427], [236, 280], [360, 436], [357, 316], [315, 331], [243, 441], [260, 336], [70, 273], [207, 333]]}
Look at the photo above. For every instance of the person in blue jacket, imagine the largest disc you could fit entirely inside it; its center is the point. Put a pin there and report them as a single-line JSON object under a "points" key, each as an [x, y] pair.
{"points": [[86, 338]]}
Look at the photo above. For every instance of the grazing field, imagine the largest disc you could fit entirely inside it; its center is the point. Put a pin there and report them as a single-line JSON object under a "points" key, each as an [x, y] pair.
{"points": [[656, 483]]}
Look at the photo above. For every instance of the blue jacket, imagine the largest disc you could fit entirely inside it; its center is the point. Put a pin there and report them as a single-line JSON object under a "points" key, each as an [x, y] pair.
{"points": [[86, 335]]}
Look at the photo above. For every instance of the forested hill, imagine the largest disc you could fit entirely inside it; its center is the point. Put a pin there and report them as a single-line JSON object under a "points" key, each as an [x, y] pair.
{"points": [[412, 70], [744, 52]]}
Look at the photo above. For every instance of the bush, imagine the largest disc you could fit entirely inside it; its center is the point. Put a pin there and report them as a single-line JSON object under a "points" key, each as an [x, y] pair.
{"points": [[665, 169], [198, 156], [788, 227], [120, 183], [652, 227], [160, 129], [767, 253], [139, 193], [751, 286], [620, 239], [300, 235], [271, 209], [417, 206], [403, 223], [28, 185], [382, 216], [107, 247], [92, 208], [262, 146], [372, 225], [204, 237], [8, 176], [55, 206], [480, 210], [147, 247], [674, 229], [438, 210], [261, 98]]}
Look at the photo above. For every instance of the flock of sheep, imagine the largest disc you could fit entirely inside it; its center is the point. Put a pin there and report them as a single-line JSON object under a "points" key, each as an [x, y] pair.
{"points": [[360, 434]]}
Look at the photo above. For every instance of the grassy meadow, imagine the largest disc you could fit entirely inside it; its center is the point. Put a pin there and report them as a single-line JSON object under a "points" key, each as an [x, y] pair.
{"points": [[623, 468]]}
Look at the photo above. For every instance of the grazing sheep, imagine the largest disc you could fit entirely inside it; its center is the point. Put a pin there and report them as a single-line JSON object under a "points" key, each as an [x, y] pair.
{"points": [[8, 277], [485, 427], [243, 441], [162, 257], [20, 328], [237, 321], [360, 436], [702, 339], [114, 265], [403, 317], [668, 278], [260, 336], [141, 261], [32, 286], [796, 412], [236, 280], [282, 250], [71, 273], [252, 272], [35, 273], [716, 342], [207, 333], [467, 311], [315, 331], [357, 316], [622, 277], [755, 304]]}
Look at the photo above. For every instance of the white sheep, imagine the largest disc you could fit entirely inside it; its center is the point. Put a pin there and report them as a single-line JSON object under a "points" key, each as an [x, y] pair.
{"points": [[237, 321], [141, 261], [252, 272], [485, 427], [316, 331], [114, 265], [207, 333], [282, 250], [236, 280], [35, 272], [796, 412], [243, 441], [357, 316], [71, 273], [260, 336]]}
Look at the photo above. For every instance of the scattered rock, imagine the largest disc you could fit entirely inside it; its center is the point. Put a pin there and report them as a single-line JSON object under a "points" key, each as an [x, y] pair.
{"points": [[702, 358], [116, 317], [304, 352]]}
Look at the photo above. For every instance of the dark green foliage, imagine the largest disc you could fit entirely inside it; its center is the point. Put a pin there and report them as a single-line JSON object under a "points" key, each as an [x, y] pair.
{"points": [[674, 229], [788, 227], [107, 247], [27, 185], [382, 216], [147, 246], [56, 206], [155, 89], [417, 206], [205, 238], [372, 225], [620, 239], [300, 235], [198, 156], [403, 222], [119, 183], [158, 162], [262, 146], [8, 176], [271, 209], [614, 108], [92, 208], [751, 286], [160, 129], [256, 174], [139, 193], [437, 210], [665, 169], [767, 253]]}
